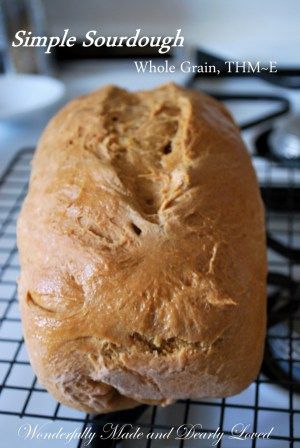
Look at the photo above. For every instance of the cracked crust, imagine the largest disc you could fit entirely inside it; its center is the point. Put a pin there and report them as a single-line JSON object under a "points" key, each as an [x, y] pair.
{"points": [[142, 247]]}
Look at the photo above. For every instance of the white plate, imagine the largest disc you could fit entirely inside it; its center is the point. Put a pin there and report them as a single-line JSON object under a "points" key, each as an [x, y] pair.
{"points": [[22, 96]]}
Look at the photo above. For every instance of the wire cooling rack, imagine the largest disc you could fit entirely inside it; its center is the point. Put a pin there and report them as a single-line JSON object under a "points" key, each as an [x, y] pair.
{"points": [[271, 401]]}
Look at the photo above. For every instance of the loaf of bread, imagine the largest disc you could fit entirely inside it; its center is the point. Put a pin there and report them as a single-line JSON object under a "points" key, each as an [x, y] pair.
{"points": [[142, 250]]}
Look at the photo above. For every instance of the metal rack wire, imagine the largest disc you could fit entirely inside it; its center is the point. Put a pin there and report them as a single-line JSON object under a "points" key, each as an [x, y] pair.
{"points": [[272, 395]]}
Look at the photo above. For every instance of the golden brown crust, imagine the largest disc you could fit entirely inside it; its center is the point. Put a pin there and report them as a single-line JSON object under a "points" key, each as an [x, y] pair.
{"points": [[142, 245]]}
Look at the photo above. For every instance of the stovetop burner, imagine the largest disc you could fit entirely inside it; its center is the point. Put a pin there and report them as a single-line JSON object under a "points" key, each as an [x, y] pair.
{"points": [[264, 148]]}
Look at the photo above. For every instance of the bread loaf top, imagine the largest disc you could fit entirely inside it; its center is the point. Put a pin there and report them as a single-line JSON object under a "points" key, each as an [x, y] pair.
{"points": [[142, 247]]}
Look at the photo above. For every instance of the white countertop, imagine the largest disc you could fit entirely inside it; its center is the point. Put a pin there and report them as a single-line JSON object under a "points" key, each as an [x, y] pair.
{"points": [[15, 137]]}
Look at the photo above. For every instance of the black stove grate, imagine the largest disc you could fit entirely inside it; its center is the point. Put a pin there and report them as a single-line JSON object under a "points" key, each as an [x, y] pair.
{"points": [[272, 398]]}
